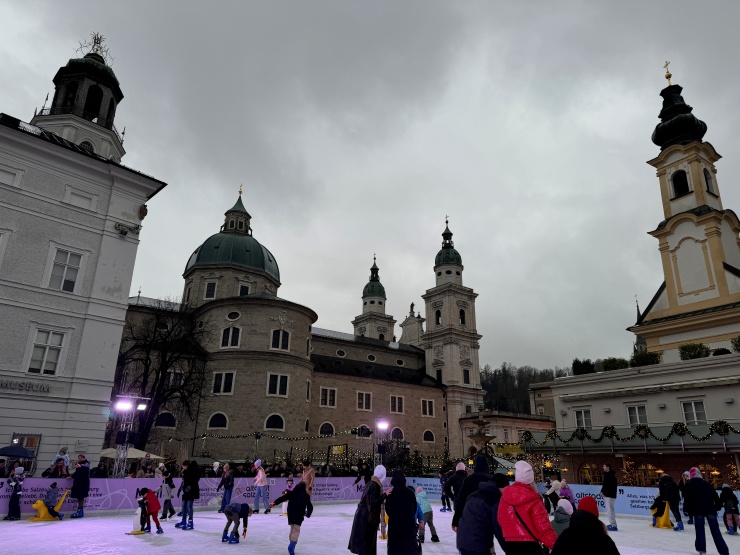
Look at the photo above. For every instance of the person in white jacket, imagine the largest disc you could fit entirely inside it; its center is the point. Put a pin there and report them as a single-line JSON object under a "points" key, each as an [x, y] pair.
{"points": [[260, 487]]}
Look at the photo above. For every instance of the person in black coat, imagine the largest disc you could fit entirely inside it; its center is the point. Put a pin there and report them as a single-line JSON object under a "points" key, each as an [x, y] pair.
{"points": [[190, 489], [454, 482], [479, 522], [363, 473], [80, 485], [363, 540], [669, 491], [585, 535], [702, 501], [470, 485], [400, 506], [609, 493], [299, 505]]}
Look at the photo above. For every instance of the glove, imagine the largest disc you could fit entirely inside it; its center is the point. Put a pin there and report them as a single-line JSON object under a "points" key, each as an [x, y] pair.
{"points": [[244, 534]]}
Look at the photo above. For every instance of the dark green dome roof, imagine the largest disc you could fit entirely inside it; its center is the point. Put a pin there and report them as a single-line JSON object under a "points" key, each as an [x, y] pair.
{"points": [[92, 65], [373, 289], [448, 254], [234, 249]]}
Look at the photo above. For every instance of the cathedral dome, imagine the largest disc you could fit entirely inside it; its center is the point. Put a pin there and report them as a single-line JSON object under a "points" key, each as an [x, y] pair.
{"points": [[447, 254], [677, 124], [374, 288], [92, 65], [234, 249]]}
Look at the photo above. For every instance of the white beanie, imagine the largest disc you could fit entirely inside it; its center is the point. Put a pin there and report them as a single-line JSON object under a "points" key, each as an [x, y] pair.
{"points": [[258, 462], [19, 470], [460, 466], [523, 472], [566, 506], [379, 472]]}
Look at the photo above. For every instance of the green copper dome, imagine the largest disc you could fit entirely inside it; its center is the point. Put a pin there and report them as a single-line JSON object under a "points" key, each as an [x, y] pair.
{"points": [[234, 249], [374, 288], [448, 254]]}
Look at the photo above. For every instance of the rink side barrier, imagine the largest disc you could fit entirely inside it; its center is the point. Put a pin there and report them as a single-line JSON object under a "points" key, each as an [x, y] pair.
{"points": [[119, 494]]}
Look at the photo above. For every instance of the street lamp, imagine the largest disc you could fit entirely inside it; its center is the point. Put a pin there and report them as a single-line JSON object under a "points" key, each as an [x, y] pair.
{"points": [[125, 408], [381, 425]]}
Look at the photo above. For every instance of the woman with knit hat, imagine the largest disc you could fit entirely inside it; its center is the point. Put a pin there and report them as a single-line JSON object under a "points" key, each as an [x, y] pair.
{"points": [[522, 516], [586, 534], [363, 539], [454, 483], [702, 501], [563, 512]]}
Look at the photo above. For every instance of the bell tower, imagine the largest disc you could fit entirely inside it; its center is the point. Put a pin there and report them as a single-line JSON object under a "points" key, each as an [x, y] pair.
{"points": [[86, 96], [697, 239], [374, 322], [451, 340]]}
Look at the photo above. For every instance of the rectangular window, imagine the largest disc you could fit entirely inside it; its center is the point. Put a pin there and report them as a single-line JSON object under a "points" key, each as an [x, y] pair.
{"points": [[636, 414], [223, 383], [280, 340], [47, 347], [506, 435], [187, 295], [328, 397], [466, 376], [583, 418], [439, 375], [427, 407], [210, 290], [308, 390], [65, 270], [243, 290], [230, 337], [174, 379], [364, 400], [277, 384], [30, 442], [468, 409], [396, 404], [694, 413]]}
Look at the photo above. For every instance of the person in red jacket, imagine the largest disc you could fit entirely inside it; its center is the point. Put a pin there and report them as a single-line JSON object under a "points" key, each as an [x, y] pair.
{"points": [[521, 514], [152, 507]]}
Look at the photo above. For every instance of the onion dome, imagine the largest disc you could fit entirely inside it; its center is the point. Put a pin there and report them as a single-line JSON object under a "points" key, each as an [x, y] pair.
{"points": [[678, 126], [374, 288], [448, 254], [92, 66], [235, 246]]}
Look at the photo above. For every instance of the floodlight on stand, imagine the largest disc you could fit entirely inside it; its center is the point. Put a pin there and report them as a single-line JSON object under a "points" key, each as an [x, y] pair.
{"points": [[141, 406], [124, 405], [382, 425]]}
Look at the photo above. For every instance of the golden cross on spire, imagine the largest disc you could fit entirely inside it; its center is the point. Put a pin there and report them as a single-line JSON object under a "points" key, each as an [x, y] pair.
{"points": [[668, 74], [447, 220], [240, 189]]}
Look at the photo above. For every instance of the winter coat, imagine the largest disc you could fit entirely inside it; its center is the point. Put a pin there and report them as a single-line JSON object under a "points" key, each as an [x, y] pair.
{"points": [[51, 497], [479, 522], [423, 501], [585, 535], [729, 501], [554, 488], [261, 479], [609, 485], [363, 540], [81, 481], [299, 504], [565, 493], [152, 503], [669, 490], [419, 515], [528, 505], [189, 486], [658, 506], [166, 489], [99, 472], [561, 522], [700, 498], [56, 472], [400, 506], [16, 484], [454, 483], [470, 485], [363, 474], [308, 478], [227, 482]]}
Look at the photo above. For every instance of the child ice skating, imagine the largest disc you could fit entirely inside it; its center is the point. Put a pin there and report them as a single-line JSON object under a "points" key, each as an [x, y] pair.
{"points": [[233, 512], [166, 490], [50, 500], [299, 505], [152, 510], [15, 481], [732, 514]]}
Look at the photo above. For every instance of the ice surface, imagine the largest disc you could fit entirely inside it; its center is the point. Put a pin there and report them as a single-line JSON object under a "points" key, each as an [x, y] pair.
{"points": [[325, 533]]}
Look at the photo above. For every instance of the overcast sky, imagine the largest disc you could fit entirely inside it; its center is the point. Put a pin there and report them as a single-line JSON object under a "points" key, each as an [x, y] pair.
{"points": [[355, 128]]}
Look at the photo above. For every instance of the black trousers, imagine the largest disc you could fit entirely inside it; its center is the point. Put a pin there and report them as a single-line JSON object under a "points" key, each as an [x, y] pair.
{"points": [[523, 548]]}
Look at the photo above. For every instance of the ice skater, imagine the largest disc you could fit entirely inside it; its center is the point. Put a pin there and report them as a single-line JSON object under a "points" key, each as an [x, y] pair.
{"points": [[166, 490], [299, 505], [152, 509], [288, 487], [15, 481], [426, 507], [80, 485], [702, 501], [50, 500], [233, 512], [260, 488], [732, 515]]}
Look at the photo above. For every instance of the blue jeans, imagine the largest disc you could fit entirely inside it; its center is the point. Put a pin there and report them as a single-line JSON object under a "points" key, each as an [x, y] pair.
{"points": [[261, 492], [227, 498], [701, 541], [187, 509]]}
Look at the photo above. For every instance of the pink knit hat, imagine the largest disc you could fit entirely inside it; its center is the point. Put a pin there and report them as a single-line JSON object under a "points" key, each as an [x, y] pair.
{"points": [[460, 466], [694, 472]]}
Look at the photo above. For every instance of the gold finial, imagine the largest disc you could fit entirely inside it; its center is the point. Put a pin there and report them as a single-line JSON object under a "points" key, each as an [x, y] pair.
{"points": [[373, 258], [240, 189], [139, 290], [447, 220], [668, 74]]}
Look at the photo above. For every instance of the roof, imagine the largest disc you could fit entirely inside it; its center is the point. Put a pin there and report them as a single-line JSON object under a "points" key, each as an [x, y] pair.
{"points": [[49, 137], [91, 65], [150, 302], [363, 369], [234, 249], [710, 310], [239, 207], [369, 341]]}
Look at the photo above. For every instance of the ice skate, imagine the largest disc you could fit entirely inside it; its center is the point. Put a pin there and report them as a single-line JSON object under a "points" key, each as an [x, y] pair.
{"points": [[225, 537], [233, 538]]}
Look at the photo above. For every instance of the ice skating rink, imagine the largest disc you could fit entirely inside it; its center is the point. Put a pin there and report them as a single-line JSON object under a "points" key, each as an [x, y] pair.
{"points": [[325, 533]]}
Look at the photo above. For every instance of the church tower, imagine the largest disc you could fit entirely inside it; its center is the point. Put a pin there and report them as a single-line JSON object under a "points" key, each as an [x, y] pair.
{"points": [[374, 322], [451, 341], [82, 111], [697, 240]]}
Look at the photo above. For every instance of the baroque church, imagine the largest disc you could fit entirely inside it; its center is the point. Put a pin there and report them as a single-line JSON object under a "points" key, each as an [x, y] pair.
{"points": [[288, 385]]}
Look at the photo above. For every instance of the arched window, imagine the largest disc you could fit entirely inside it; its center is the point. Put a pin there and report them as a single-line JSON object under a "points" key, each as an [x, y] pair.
{"points": [[646, 475], [218, 421], [709, 181], [680, 184], [397, 433], [87, 146], [438, 318], [275, 422], [230, 337], [326, 429], [165, 420], [111, 113], [93, 102], [381, 337], [590, 473], [429, 436], [70, 94], [462, 317], [363, 432], [280, 340]]}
